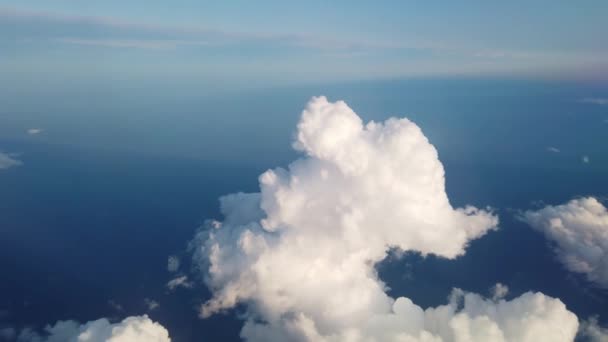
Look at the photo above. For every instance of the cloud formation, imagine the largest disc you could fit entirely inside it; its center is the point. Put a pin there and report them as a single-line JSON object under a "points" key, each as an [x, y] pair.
{"points": [[34, 131], [596, 100], [173, 263], [8, 161], [181, 281], [591, 331], [499, 291], [579, 232], [151, 304], [301, 253], [134, 328]]}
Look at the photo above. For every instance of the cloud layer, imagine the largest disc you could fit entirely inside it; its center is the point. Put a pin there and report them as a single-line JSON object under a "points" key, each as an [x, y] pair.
{"points": [[135, 328], [579, 231], [301, 253]]}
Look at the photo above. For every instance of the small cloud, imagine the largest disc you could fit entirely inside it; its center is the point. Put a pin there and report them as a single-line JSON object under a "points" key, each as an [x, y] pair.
{"points": [[8, 161], [596, 100], [115, 305], [499, 291], [590, 330], [34, 131], [173, 263], [553, 149], [577, 231], [585, 159], [151, 304], [181, 281], [7, 334]]}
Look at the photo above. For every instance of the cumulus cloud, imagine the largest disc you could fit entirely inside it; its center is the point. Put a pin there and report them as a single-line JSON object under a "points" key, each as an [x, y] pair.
{"points": [[579, 232], [301, 253], [181, 281], [173, 263], [591, 331], [134, 328], [8, 161]]}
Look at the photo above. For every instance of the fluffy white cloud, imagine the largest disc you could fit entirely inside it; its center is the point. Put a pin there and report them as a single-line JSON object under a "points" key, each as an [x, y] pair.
{"points": [[301, 253], [7, 161], [579, 231], [131, 329]]}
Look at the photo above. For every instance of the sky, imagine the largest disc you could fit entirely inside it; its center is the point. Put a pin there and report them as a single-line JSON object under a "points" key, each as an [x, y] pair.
{"points": [[394, 171], [274, 42]]}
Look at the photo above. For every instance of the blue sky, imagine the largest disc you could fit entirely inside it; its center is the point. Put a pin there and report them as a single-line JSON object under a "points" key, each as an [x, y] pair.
{"points": [[300, 42]]}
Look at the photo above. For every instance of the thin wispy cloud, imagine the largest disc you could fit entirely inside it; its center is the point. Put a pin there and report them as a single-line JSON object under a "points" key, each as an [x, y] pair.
{"points": [[595, 100], [553, 149], [136, 44], [8, 160], [118, 33], [34, 131]]}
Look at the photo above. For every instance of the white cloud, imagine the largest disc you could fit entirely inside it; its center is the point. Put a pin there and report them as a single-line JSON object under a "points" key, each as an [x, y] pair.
{"points": [[181, 281], [579, 231], [591, 331], [301, 253], [499, 291], [553, 149], [585, 159], [596, 100], [173, 263], [34, 131], [151, 304], [8, 161], [131, 329]]}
